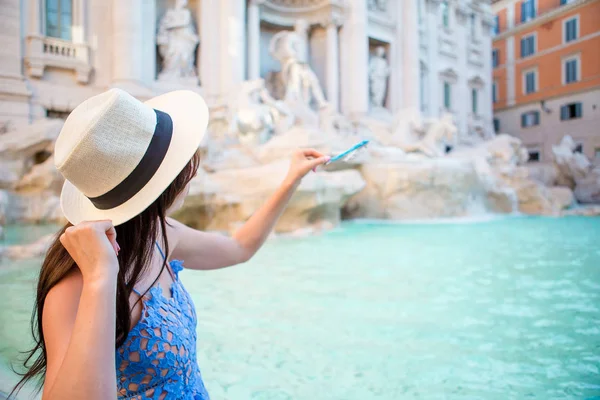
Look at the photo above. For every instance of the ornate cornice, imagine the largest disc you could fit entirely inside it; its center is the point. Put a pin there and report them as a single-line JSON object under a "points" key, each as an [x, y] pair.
{"points": [[314, 12], [450, 74]]}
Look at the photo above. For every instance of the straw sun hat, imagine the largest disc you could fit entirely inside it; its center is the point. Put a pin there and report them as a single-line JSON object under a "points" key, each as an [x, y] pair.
{"points": [[118, 155]]}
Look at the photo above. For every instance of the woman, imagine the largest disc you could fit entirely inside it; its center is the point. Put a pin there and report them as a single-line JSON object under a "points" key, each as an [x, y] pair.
{"points": [[112, 320]]}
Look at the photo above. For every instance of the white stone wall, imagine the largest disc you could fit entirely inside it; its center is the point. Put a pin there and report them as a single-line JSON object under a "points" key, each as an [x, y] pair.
{"points": [[455, 55]]}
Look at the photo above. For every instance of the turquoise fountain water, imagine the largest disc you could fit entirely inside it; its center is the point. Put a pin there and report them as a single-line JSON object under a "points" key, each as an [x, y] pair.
{"points": [[504, 309]]}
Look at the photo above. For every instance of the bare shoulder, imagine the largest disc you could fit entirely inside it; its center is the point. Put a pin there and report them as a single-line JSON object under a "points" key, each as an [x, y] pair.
{"points": [[63, 299], [175, 231]]}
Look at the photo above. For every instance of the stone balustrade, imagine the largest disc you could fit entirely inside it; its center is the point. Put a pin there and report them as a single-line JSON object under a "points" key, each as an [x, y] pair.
{"points": [[44, 51]]}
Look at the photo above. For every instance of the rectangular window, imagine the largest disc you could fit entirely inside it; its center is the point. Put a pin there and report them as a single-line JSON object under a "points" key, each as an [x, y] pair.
{"points": [[494, 92], [571, 70], [495, 58], [59, 18], [527, 10], [445, 14], [527, 46], [597, 153], [570, 29], [530, 78], [472, 25], [531, 118], [474, 101], [563, 2], [496, 28], [571, 111], [447, 96], [534, 155], [496, 125]]}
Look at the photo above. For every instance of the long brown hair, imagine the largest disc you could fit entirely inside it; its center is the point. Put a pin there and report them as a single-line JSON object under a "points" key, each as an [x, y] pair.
{"points": [[134, 257]]}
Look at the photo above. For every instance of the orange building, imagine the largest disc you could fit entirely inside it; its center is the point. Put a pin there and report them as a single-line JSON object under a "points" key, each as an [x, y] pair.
{"points": [[546, 68]]}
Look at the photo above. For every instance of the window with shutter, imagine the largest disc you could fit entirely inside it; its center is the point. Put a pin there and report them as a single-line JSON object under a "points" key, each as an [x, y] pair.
{"points": [[564, 113], [570, 30], [578, 110], [447, 96], [445, 14], [530, 82], [571, 70], [530, 118], [527, 46], [527, 10], [571, 111]]}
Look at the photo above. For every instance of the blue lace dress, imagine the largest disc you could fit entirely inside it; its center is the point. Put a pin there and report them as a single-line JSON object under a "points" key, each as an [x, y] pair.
{"points": [[158, 359]]}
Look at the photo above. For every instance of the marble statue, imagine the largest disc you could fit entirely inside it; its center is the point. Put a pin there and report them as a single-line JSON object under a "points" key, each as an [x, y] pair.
{"points": [[571, 164], [379, 71], [577, 171], [177, 41], [408, 127], [440, 134], [302, 86], [258, 116]]}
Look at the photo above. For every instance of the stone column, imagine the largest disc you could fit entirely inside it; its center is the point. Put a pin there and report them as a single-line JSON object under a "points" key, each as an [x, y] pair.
{"points": [[333, 65], [127, 45], [487, 111], [14, 95], [510, 71], [35, 17], [435, 103], [209, 38], [222, 47], [254, 39], [354, 61], [461, 99], [396, 60], [409, 34], [79, 21], [149, 31]]}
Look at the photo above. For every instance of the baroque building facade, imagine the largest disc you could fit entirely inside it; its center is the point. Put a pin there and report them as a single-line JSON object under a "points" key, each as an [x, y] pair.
{"points": [[371, 57]]}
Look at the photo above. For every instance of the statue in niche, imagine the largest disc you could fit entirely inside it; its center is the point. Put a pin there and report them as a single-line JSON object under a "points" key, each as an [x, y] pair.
{"points": [[440, 135], [302, 86], [379, 71], [177, 41]]}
